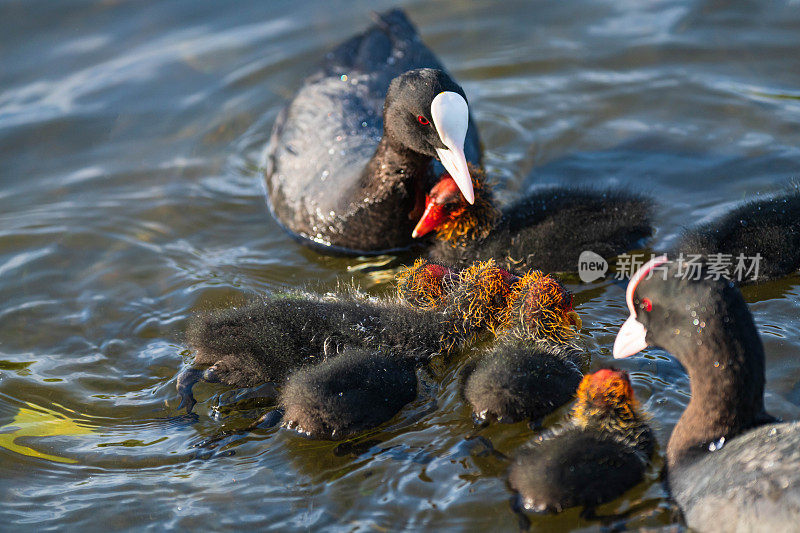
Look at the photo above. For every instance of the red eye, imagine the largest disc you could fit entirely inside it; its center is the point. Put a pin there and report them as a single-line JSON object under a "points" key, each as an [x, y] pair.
{"points": [[422, 120], [647, 305]]}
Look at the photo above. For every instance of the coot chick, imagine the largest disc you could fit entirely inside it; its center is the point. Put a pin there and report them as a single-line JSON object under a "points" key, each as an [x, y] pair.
{"points": [[601, 451], [536, 366], [425, 284], [483, 296], [730, 466], [547, 230], [267, 339], [358, 389], [351, 392], [769, 227], [517, 381], [540, 308], [350, 155]]}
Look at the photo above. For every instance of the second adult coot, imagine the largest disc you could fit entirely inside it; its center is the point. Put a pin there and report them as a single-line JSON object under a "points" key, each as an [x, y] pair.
{"points": [[730, 466]]}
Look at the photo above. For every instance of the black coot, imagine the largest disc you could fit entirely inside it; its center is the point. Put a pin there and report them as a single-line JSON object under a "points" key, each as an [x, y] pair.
{"points": [[267, 339], [349, 159], [341, 354], [769, 227], [360, 389], [357, 390], [517, 381], [547, 230], [730, 466], [351, 392], [601, 451], [536, 365]]}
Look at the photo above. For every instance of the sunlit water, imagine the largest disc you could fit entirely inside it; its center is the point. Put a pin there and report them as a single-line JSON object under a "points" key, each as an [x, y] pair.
{"points": [[130, 138]]}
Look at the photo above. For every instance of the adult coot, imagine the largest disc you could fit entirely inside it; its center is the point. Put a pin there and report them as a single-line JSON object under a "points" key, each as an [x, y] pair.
{"points": [[730, 466], [350, 156], [601, 451]]}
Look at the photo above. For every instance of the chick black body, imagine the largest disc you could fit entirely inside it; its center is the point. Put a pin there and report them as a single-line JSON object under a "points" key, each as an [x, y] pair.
{"points": [[602, 450], [769, 227], [536, 366], [515, 381], [268, 338], [356, 390], [360, 389], [344, 353], [550, 228], [575, 467]]}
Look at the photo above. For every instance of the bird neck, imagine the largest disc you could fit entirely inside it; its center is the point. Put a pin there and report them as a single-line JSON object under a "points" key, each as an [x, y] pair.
{"points": [[726, 375], [393, 163]]}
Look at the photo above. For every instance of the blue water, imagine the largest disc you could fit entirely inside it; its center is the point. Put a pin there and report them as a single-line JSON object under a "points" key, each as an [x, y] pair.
{"points": [[130, 198]]}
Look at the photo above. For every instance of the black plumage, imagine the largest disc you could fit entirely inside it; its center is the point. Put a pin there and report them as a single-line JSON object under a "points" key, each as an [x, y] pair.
{"points": [[347, 159], [348, 393], [730, 465], [360, 389], [769, 227], [341, 349], [548, 229], [575, 468], [602, 450], [536, 365], [517, 381], [268, 338]]}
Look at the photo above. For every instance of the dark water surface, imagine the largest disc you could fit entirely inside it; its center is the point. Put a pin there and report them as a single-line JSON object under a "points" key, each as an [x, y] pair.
{"points": [[130, 139]]}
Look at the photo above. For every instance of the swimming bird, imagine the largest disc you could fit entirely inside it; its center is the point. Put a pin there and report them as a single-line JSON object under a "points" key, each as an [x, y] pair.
{"points": [[767, 228], [535, 366], [330, 400], [475, 298], [349, 158], [360, 389], [268, 338], [354, 391], [547, 230], [730, 465], [600, 451]]}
